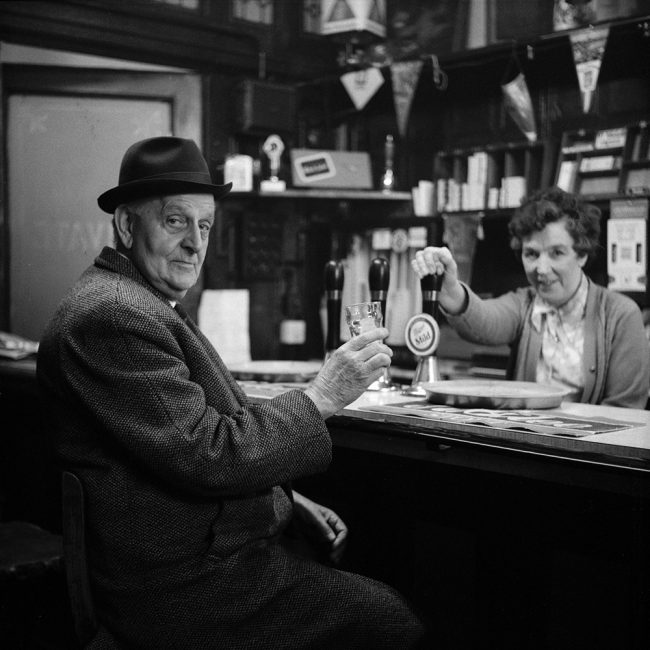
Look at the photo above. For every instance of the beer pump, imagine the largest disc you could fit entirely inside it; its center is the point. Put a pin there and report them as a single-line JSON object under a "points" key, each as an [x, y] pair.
{"points": [[423, 336], [378, 280], [333, 276]]}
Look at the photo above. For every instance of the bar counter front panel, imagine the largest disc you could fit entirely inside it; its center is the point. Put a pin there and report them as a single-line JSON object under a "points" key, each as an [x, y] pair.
{"points": [[501, 538]]}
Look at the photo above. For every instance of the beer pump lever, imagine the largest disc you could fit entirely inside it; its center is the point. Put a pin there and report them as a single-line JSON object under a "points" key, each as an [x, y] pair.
{"points": [[422, 335], [378, 280], [333, 279]]}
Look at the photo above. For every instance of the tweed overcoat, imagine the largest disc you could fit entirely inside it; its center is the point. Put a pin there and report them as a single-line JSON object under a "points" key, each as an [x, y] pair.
{"points": [[184, 481], [616, 357]]}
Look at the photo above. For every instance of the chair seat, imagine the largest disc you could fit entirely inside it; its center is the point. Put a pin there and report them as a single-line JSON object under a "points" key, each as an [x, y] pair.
{"points": [[34, 611], [27, 550]]}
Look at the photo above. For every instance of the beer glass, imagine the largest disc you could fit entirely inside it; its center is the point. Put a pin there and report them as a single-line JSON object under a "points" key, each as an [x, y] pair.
{"points": [[363, 317]]}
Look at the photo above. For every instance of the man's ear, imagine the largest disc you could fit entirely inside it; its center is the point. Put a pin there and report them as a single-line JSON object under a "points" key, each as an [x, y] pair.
{"points": [[124, 226]]}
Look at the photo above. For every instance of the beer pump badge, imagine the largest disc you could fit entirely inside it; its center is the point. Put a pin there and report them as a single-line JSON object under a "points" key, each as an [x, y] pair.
{"points": [[422, 335]]}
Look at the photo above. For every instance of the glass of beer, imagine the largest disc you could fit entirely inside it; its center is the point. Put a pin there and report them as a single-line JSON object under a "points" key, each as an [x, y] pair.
{"points": [[363, 316]]}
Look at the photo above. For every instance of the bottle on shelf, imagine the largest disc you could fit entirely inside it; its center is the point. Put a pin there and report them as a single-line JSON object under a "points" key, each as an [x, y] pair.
{"points": [[388, 177], [293, 328]]}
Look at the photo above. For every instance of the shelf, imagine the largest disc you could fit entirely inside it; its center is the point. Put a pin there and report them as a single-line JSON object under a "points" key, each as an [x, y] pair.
{"points": [[491, 177], [622, 28], [498, 213], [611, 161], [339, 195]]}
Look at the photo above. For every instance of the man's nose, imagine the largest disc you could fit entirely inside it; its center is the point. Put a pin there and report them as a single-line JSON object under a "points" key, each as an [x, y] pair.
{"points": [[193, 238]]}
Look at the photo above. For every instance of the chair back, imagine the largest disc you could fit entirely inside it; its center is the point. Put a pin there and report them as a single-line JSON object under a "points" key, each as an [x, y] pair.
{"points": [[74, 552]]}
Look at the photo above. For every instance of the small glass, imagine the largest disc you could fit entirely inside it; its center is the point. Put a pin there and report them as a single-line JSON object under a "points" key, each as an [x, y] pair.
{"points": [[363, 317]]}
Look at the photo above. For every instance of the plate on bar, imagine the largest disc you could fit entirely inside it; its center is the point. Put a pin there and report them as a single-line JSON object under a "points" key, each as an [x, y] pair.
{"points": [[494, 394], [293, 371]]}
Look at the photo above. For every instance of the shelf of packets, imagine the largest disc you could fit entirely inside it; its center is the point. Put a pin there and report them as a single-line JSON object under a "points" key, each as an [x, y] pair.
{"points": [[489, 178], [606, 162]]}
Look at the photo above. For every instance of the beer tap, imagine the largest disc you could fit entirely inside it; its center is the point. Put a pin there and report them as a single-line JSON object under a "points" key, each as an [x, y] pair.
{"points": [[333, 276], [378, 280], [422, 335]]}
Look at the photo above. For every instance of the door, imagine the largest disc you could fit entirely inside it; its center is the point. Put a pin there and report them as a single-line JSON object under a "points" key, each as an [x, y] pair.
{"points": [[66, 132]]}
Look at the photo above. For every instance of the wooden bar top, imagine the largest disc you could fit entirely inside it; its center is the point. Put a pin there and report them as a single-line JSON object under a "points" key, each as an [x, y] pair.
{"points": [[612, 435], [618, 436]]}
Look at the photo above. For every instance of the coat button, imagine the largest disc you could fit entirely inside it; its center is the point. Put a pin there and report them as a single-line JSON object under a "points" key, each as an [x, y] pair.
{"points": [[592, 369]]}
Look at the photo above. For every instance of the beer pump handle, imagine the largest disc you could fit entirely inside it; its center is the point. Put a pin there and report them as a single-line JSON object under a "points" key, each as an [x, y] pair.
{"points": [[430, 285], [378, 280], [333, 276]]}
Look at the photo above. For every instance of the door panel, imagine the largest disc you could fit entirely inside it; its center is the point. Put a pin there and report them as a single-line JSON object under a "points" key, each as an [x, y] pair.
{"points": [[66, 133]]}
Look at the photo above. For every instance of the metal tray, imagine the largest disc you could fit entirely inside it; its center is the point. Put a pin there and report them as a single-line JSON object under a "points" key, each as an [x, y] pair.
{"points": [[494, 394], [280, 371]]}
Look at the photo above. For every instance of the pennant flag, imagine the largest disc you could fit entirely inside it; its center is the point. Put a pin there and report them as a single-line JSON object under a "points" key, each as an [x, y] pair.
{"points": [[362, 85], [460, 234], [519, 105], [405, 76], [588, 49]]}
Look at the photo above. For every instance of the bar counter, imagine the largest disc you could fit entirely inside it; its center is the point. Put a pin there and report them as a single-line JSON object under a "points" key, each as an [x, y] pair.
{"points": [[620, 438], [501, 537]]}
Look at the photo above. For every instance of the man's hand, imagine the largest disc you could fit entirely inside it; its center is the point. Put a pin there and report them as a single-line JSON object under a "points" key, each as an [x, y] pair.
{"points": [[323, 525], [349, 370]]}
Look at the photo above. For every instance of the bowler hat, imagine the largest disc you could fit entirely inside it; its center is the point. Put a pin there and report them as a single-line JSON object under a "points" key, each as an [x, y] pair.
{"points": [[158, 167]]}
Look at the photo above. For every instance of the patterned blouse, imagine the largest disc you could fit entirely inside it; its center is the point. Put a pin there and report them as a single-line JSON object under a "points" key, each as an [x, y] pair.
{"points": [[563, 337]]}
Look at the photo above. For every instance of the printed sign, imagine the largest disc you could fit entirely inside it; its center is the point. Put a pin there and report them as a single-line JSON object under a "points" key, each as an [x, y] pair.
{"points": [[626, 254], [422, 335], [314, 167]]}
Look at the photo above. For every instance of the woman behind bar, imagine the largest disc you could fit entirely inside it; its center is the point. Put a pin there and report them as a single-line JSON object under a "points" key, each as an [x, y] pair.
{"points": [[563, 329]]}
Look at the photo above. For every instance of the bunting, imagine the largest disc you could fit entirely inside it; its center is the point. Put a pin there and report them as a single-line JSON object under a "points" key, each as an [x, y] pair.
{"points": [[519, 105], [460, 235], [362, 85], [405, 76], [588, 49]]}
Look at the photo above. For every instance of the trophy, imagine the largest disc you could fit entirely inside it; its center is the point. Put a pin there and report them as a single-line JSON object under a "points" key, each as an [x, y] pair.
{"points": [[273, 148]]}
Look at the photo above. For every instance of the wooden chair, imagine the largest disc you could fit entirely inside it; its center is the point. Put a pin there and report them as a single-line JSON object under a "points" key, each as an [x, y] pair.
{"points": [[74, 551]]}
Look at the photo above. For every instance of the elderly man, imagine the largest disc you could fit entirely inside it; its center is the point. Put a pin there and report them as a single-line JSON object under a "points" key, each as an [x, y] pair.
{"points": [[187, 483]]}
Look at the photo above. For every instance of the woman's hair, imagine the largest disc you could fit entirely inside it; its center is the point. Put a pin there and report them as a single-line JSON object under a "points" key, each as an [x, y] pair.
{"points": [[547, 206]]}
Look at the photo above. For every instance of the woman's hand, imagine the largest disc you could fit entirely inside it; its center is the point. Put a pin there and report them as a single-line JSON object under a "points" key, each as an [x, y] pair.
{"points": [[439, 261], [323, 525]]}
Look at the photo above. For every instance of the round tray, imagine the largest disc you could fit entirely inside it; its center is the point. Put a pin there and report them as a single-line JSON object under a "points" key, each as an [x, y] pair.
{"points": [[290, 371], [494, 393]]}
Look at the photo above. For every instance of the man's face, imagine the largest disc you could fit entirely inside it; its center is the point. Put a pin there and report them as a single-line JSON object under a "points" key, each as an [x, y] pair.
{"points": [[169, 238]]}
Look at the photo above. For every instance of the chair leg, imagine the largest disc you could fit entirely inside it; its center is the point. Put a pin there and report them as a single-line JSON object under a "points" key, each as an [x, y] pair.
{"points": [[74, 550]]}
